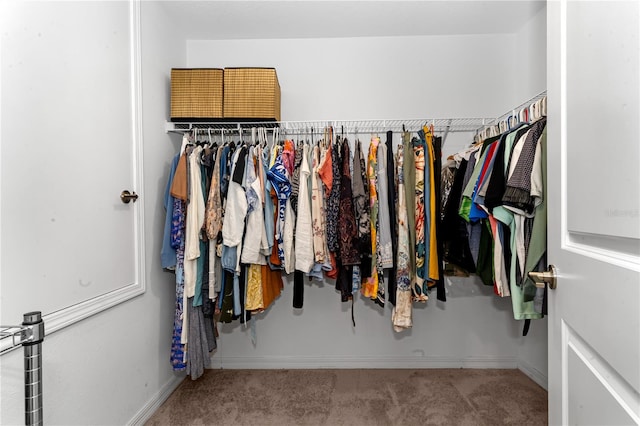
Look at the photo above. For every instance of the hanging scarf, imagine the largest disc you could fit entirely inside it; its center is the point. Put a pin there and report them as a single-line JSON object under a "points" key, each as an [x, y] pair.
{"points": [[370, 286], [279, 178], [419, 288]]}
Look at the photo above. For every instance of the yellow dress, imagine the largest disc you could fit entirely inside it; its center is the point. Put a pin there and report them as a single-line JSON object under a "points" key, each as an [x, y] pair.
{"points": [[434, 271]]}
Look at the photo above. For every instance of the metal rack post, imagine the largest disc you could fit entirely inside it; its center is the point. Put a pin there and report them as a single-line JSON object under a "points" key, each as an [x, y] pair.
{"points": [[30, 335], [33, 369]]}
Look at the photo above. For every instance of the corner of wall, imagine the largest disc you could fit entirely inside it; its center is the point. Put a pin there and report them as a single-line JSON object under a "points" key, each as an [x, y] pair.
{"points": [[533, 352], [531, 56], [541, 378], [155, 402], [531, 79]]}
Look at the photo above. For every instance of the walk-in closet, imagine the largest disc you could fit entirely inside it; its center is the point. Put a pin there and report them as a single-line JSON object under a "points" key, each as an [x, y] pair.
{"points": [[89, 150], [386, 78]]}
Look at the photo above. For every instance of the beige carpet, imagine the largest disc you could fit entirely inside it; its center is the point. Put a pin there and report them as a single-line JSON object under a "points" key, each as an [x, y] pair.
{"points": [[356, 397]]}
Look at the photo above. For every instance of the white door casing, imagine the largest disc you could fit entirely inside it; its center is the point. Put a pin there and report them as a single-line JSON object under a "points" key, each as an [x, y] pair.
{"points": [[594, 223], [71, 142]]}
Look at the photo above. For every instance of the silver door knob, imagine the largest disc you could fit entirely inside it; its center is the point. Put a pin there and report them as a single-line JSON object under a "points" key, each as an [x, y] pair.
{"points": [[549, 277]]}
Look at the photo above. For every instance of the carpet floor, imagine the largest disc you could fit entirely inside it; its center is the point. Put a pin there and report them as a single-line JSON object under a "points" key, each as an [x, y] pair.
{"points": [[356, 397]]}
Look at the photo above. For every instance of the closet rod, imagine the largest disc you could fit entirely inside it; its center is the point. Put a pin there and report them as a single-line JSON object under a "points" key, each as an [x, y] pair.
{"points": [[203, 131], [446, 125], [379, 130], [513, 111]]}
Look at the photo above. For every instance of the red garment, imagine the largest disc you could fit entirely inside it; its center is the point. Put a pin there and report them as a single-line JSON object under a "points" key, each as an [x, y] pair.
{"points": [[288, 156], [325, 171]]}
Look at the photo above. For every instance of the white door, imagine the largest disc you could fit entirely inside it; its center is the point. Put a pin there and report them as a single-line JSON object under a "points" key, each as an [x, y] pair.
{"points": [[70, 145], [594, 224]]}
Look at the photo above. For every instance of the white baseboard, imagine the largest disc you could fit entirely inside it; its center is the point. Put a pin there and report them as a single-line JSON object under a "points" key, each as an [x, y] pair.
{"points": [[155, 402], [534, 374], [296, 362]]}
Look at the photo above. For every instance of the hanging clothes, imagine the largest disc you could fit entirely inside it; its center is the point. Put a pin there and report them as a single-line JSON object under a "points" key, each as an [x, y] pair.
{"points": [[420, 288], [179, 338], [255, 233], [213, 224], [402, 312], [326, 173], [347, 228], [504, 197], [241, 217], [295, 177], [168, 251], [380, 257], [254, 230], [304, 247], [290, 217], [255, 297], [267, 244], [280, 181], [288, 238], [392, 200], [361, 207], [318, 210], [195, 221], [213, 213], [237, 206], [441, 293], [536, 253], [190, 325], [384, 215], [370, 286], [409, 175], [455, 236], [432, 216], [331, 178]]}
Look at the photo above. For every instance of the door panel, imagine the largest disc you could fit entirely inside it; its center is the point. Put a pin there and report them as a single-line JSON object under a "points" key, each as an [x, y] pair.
{"points": [[589, 376], [594, 197], [70, 145], [602, 110]]}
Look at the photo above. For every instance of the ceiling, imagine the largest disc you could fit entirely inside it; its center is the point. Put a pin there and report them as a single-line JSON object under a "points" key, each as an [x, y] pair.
{"points": [[223, 20]]}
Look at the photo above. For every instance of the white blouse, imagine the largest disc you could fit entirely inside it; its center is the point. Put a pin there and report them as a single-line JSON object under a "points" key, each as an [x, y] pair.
{"points": [[305, 258]]}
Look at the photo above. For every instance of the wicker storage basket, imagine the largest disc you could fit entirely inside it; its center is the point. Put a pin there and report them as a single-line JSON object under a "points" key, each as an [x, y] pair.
{"points": [[196, 94], [251, 94]]}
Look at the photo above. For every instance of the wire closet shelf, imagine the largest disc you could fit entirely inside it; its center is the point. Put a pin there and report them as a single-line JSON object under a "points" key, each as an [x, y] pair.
{"points": [[440, 125], [508, 119], [345, 126]]}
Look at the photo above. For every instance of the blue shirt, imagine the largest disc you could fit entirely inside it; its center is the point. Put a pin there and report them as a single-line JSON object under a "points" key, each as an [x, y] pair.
{"points": [[168, 254]]}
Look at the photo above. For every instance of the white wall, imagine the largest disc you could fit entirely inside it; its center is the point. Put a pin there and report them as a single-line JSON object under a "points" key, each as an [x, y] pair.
{"points": [[531, 57], [376, 77], [531, 71], [108, 368], [372, 78]]}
